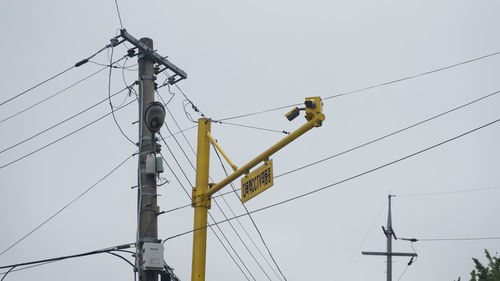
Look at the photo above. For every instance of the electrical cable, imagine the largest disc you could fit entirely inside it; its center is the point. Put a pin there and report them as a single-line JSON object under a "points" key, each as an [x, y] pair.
{"points": [[118, 12], [403, 273], [362, 241], [448, 192], [371, 87], [61, 122], [61, 138], [121, 257], [257, 113], [460, 239], [106, 250], [65, 206], [355, 177], [253, 222], [27, 267], [253, 127], [78, 64], [53, 95], [217, 204], [391, 134], [215, 233], [414, 76], [187, 179], [377, 140], [5, 275], [109, 98]]}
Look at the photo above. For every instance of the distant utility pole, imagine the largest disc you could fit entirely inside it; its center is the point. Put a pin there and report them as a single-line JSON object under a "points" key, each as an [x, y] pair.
{"points": [[149, 253], [389, 233]]}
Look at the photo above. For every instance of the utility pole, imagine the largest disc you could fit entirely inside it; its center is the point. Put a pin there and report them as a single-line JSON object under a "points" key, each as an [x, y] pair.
{"points": [[149, 250], [389, 233], [147, 219]]}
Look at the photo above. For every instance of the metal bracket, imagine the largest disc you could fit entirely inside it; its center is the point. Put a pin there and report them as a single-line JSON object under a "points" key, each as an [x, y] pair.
{"points": [[148, 77], [154, 56]]}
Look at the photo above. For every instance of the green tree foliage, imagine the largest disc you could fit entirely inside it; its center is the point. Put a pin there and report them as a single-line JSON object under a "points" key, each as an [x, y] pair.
{"points": [[490, 272]]}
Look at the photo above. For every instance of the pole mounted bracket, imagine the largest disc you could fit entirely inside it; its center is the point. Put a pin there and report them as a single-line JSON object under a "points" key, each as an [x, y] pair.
{"points": [[200, 199], [179, 74]]}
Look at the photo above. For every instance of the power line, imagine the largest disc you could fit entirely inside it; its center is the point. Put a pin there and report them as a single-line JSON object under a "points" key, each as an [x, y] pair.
{"points": [[460, 239], [187, 179], [448, 192], [370, 87], [118, 12], [253, 221], [66, 206], [353, 177], [109, 96], [253, 127], [403, 273], [391, 134], [258, 112], [238, 235], [215, 233], [362, 241], [61, 138], [95, 252], [53, 95], [414, 76], [377, 140], [60, 123], [78, 64]]}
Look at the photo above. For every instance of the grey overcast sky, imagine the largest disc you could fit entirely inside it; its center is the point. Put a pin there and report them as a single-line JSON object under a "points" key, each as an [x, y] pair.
{"points": [[250, 56]]}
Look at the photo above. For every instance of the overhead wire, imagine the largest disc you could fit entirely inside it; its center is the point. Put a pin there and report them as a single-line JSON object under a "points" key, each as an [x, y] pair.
{"points": [[377, 140], [361, 242], [252, 127], [225, 237], [61, 138], [53, 95], [95, 252], [118, 12], [63, 121], [187, 193], [459, 239], [78, 64], [217, 204], [392, 133], [253, 222], [109, 98], [215, 233], [66, 206], [408, 156], [371, 87], [448, 192]]}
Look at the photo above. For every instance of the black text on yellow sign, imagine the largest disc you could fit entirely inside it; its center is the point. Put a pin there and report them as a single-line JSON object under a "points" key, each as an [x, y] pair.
{"points": [[257, 181]]}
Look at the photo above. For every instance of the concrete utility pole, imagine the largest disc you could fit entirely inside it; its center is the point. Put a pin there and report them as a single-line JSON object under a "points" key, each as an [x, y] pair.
{"points": [[389, 233], [147, 209], [149, 249]]}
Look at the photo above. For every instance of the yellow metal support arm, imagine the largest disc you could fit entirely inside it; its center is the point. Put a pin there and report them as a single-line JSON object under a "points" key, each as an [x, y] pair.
{"points": [[202, 193], [212, 140], [313, 122]]}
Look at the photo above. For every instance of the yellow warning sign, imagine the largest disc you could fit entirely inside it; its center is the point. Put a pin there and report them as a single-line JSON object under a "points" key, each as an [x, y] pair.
{"points": [[257, 181]]}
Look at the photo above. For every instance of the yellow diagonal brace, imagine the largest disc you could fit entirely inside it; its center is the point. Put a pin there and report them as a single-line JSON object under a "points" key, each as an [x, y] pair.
{"points": [[314, 122], [214, 142]]}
